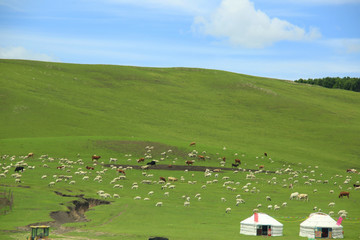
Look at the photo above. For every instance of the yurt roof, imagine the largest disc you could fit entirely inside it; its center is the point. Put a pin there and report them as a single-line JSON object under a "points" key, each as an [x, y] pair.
{"points": [[319, 220], [263, 218]]}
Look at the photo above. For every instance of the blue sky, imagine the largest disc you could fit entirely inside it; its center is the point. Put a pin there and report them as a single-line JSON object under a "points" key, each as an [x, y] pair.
{"points": [[286, 39]]}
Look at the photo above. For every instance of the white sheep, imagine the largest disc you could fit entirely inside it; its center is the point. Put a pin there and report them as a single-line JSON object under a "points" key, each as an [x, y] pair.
{"points": [[332, 204], [51, 184], [137, 198], [159, 204], [116, 195], [268, 198], [223, 199], [239, 201], [294, 195], [186, 204], [228, 210], [166, 194]]}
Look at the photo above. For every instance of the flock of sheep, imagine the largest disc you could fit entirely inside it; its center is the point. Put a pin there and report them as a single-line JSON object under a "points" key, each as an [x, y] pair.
{"points": [[72, 171]]}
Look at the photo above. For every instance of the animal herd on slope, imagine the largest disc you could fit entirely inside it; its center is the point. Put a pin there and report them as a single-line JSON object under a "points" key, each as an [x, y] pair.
{"points": [[289, 177]]}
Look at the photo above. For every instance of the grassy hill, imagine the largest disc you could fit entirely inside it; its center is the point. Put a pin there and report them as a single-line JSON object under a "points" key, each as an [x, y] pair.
{"points": [[68, 104], [68, 109]]}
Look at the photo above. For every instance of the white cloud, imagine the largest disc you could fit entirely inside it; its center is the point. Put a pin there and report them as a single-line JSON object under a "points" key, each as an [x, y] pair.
{"points": [[22, 53], [243, 25]]}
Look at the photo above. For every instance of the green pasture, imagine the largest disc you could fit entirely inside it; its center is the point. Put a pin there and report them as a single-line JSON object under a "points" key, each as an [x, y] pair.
{"points": [[74, 111], [127, 218]]}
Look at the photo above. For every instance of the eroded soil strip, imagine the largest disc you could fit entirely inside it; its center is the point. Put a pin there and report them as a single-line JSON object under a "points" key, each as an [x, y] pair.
{"points": [[183, 168]]}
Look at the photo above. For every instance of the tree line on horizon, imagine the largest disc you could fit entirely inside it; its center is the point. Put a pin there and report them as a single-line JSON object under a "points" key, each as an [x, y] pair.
{"points": [[347, 83]]}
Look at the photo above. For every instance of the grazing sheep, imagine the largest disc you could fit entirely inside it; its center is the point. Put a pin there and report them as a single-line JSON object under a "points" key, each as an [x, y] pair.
{"points": [[239, 201], [166, 194], [332, 204], [268, 198], [331, 191], [116, 195], [43, 176], [255, 210], [269, 206], [303, 196], [315, 190], [150, 193], [276, 207], [146, 199], [72, 182], [18, 180], [223, 199], [51, 184], [259, 205], [284, 204], [137, 198], [186, 204], [331, 213], [135, 187], [228, 210], [159, 204]]}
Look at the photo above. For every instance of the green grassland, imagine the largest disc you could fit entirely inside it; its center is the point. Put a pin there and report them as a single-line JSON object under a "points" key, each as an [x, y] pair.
{"points": [[67, 109]]}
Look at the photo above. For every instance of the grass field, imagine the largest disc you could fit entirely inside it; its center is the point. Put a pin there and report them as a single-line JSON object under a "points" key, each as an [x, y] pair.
{"points": [[74, 111]]}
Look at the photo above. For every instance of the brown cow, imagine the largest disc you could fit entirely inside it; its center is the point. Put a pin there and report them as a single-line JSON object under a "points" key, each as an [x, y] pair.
{"points": [[121, 171], [189, 162], [90, 168], [192, 144], [238, 161], [30, 155], [261, 166], [140, 160], [342, 194], [265, 154], [95, 157], [162, 179], [224, 159], [201, 157]]}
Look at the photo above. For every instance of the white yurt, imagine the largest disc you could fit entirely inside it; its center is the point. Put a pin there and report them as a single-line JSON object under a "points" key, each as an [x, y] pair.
{"points": [[264, 226], [320, 225]]}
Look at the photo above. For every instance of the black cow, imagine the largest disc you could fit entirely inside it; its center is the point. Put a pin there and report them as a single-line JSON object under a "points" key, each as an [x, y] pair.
{"points": [[151, 163], [234, 165], [18, 169]]}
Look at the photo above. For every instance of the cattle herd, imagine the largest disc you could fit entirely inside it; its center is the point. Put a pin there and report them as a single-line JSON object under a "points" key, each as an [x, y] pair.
{"points": [[240, 182]]}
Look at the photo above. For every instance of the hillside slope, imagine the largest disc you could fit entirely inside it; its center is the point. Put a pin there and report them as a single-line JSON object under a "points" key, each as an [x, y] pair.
{"points": [[56, 103]]}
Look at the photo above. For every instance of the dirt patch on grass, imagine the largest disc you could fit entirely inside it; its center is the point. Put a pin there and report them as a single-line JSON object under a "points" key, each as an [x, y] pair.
{"points": [[138, 147], [184, 167]]}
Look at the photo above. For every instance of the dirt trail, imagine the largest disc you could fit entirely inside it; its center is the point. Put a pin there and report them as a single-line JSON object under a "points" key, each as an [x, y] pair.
{"points": [[183, 168]]}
